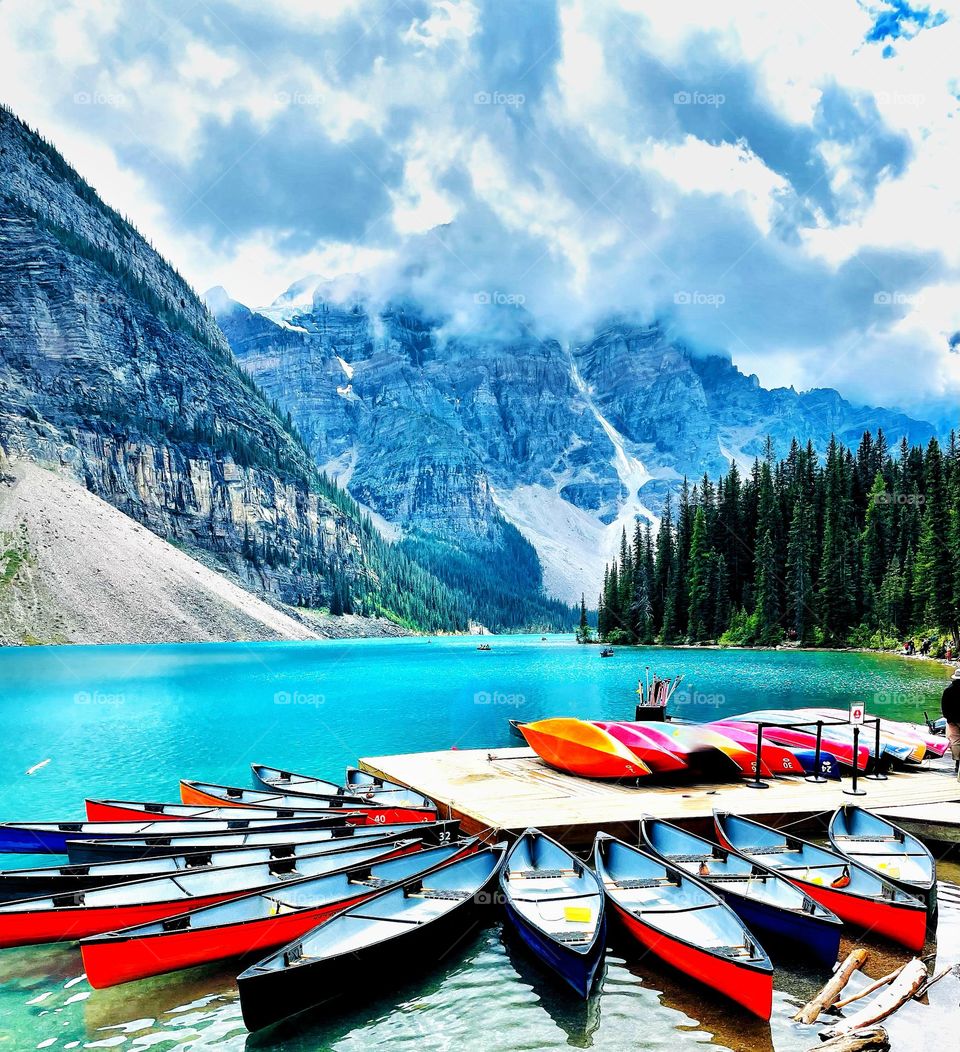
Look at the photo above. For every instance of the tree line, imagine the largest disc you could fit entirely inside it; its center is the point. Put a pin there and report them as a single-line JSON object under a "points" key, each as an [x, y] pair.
{"points": [[859, 548]]}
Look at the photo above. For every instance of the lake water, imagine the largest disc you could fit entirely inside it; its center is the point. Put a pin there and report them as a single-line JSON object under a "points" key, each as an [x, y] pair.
{"points": [[129, 722]]}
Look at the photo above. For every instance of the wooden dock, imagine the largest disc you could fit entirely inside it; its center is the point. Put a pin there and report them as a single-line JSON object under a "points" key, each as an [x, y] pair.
{"points": [[511, 789]]}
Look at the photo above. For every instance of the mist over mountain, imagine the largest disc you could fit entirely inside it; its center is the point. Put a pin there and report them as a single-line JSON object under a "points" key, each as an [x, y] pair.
{"points": [[448, 431]]}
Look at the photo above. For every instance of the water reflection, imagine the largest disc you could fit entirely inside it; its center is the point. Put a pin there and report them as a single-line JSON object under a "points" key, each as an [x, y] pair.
{"points": [[579, 1019]]}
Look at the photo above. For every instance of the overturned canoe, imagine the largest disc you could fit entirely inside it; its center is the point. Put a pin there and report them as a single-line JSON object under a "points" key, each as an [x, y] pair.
{"points": [[695, 737], [777, 759], [855, 894], [769, 904], [254, 923], [702, 759], [685, 924], [555, 902], [577, 747], [212, 795], [83, 852], [799, 727], [891, 852], [657, 757], [51, 838], [60, 918], [419, 921]]}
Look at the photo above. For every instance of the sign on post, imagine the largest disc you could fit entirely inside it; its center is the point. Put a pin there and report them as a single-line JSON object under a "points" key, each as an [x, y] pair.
{"points": [[857, 713]]}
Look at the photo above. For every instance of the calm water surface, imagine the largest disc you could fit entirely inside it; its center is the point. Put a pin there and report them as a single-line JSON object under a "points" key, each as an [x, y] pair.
{"points": [[130, 721]]}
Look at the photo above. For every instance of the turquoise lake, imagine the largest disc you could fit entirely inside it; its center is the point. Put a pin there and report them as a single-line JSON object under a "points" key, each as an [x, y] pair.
{"points": [[128, 722]]}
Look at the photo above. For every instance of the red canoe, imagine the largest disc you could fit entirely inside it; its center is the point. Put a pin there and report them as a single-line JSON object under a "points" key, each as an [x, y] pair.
{"points": [[658, 758], [209, 794], [133, 810], [76, 915], [854, 893], [255, 923], [685, 924], [778, 759]]}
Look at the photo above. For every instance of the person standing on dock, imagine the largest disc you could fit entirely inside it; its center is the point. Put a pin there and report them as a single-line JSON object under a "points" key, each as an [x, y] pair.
{"points": [[950, 707]]}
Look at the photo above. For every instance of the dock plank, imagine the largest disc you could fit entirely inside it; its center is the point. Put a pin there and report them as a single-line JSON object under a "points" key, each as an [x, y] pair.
{"points": [[511, 789]]}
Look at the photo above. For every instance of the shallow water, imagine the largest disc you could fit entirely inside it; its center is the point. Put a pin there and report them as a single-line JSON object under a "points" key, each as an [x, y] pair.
{"points": [[129, 722]]}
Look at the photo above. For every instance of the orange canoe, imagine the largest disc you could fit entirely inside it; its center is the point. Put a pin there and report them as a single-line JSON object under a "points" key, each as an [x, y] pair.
{"points": [[578, 747]]}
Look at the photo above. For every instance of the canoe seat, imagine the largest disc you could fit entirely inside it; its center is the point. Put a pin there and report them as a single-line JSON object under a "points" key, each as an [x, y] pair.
{"points": [[690, 858], [734, 951], [372, 882], [571, 936], [441, 893], [644, 882], [534, 874], [770, 849], [870, 839], [718, 878], [176, 923]]}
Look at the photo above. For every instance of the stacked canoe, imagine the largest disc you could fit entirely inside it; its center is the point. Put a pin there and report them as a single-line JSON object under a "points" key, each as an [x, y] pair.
{"points": [[728, 748]]}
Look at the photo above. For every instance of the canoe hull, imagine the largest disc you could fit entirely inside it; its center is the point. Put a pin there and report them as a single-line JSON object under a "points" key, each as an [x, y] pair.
{"points": [[577, 970], [583, 759], [111, 963], [68, 925], [25, 841], [749, 987], [271, 996], [816, 937], [356, 814]]}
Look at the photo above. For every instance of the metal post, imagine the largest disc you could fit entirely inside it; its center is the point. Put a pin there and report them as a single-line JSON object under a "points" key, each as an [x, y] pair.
{"points": [[853, 790], [877, 775], [758, 782], [817, 776]]}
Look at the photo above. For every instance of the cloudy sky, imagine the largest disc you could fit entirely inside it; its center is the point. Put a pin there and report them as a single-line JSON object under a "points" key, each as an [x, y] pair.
{"points": [[777, 180]]}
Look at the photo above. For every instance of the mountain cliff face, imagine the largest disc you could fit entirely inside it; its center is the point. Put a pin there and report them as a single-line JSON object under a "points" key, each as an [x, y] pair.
{"points": [[112, 369], [449, 436]]}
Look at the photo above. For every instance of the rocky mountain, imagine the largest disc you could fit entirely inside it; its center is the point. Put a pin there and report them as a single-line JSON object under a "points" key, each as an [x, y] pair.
{"points": [[452, 437], [113, 371]]}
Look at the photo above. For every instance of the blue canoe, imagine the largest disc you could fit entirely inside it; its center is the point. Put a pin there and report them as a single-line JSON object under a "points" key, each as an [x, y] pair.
{"points": [[887, 849], [50, 838], [770, 905], [555, 902], [829, 764]]}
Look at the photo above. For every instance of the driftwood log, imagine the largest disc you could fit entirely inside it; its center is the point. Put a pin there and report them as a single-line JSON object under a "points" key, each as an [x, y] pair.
{"points": [[872, 1039], [907, 983], [831, 992], [869, 989]]}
